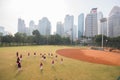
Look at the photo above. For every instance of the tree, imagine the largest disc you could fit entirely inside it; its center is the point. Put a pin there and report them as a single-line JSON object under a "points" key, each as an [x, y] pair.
{"points": [[20, 38], [30, 39], [98, 39], [58, 39], [36, 35], [66, 40], [7, 39]]}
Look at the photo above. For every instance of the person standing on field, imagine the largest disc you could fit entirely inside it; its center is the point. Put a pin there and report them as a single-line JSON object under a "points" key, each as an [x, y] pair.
{"points": [[52, 62], [17, 54], [41, 66]]}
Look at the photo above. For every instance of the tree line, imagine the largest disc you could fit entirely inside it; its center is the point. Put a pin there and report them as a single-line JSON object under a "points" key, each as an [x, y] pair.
{"points": [[107, 41], [35, 39], [38, 39]]}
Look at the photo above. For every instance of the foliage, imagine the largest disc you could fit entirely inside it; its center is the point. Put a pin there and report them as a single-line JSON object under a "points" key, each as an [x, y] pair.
{"points": [[35, 39], [108, 42]]}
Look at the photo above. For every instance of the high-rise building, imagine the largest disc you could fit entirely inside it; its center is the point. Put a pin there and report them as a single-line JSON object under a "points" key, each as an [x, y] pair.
{"points": [[91, 24], [75, 36], [1, 31], [99, 17], [32, 27], [21, 26], [114, 22], [59, 29], [44, 26], [68, 26], [80, 25], [103, 25]]}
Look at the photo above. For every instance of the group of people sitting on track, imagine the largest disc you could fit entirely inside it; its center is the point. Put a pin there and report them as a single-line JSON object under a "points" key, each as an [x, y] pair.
{"points": [[43, 58]]}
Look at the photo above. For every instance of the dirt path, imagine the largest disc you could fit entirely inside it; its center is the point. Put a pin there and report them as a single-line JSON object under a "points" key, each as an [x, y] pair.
{"points": [[94, 56]]}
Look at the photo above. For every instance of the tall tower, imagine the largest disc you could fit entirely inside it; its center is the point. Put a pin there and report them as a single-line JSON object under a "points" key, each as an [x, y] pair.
{"points": [[68, 26], [59, 29], [44, 26], [31, 27], [103, 25], [99, 17], [91, 24], [21, 26], [2, 31], [114, 22], [75, 33], [80, 25]]}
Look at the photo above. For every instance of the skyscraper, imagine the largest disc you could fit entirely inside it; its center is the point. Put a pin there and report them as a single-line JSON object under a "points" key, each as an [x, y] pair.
{"points": [[1, 31], [31, 27], [68, 26], [75, 33], [21, 26], [44, 26], [80, 25], [91, 24], [59, 29], [103, 25], [99, 17], [114, 22]]}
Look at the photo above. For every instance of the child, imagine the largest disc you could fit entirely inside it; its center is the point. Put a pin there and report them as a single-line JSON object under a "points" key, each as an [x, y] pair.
{"points": [[17, 54], [48, 54], [34, 54], [40, 54], [28, 54], [56, 57], [18, 60], [52, 62], [44, 57], [41, 66], [20, 57], [19, 65], [61, 60], [51, 55]]}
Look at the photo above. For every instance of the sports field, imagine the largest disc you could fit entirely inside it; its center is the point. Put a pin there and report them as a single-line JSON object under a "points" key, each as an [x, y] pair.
{"points": [[70, 69]]}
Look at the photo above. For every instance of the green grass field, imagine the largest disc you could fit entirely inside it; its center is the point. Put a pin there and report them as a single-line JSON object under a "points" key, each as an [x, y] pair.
{"points": [[70, 69]]}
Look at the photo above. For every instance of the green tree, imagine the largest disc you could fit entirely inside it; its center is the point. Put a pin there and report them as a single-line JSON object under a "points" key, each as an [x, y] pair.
{"points": [[20, 38], [36, 35], [98, 39], [7, 39]]}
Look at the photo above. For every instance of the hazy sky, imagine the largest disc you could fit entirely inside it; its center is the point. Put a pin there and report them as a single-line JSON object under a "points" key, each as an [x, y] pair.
{"points": [[54, 10]]}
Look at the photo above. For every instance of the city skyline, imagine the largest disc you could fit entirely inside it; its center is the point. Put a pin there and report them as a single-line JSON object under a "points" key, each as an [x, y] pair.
{"points": [[54, 10]]}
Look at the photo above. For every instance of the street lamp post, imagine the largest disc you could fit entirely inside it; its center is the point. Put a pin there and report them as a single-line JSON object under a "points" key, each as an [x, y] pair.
{"points": [[106, 42], [103, 20], [102, 37]]}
